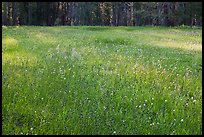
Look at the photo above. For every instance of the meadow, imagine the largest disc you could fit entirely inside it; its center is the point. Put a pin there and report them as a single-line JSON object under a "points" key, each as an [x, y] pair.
{"points": [[90, 80]]}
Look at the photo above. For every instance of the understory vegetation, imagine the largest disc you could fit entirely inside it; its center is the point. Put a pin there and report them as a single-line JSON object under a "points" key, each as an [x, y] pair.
{"points": [[101, 80]]}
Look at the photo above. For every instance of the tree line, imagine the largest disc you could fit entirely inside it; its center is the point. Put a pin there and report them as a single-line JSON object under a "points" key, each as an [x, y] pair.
{"points": [[102, 13]]}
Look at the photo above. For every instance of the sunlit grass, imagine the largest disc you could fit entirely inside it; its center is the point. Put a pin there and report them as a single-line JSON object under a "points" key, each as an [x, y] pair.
{"points": [[101, 80], [19, 58], [9, 42]]}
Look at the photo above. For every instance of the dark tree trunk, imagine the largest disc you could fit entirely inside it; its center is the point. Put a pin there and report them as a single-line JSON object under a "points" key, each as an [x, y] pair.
{"points": [[4, 13], [9, 14], [114, 13], [29, 13], [67, 14], [130, 13], [14, 14], [39, 13]]}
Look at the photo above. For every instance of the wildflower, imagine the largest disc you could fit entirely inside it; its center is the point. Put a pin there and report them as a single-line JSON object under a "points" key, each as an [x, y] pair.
{"points": [[104, 107], [152, 124], [181, 120], [173, 132]]}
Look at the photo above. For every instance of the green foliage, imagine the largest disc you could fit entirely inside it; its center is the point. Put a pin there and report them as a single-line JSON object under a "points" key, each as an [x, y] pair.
{"points": [[57, 22], [101, 80]]}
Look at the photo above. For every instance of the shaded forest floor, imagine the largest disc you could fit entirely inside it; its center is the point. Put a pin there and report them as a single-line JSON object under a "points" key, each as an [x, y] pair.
{"points": [[101, 80]]}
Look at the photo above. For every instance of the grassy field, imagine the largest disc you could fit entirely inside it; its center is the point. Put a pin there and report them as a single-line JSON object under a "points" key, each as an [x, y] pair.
{"points": [[101, 80]]}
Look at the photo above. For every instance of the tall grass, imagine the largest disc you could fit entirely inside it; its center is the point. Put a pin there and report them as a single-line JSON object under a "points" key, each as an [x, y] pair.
{"points": [[101, 80]]}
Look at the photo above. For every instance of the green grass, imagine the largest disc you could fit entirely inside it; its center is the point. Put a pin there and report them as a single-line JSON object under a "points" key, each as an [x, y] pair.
{"points": [[101, 80]]}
